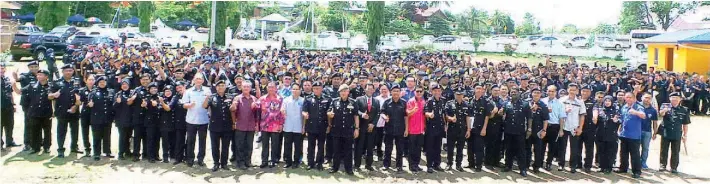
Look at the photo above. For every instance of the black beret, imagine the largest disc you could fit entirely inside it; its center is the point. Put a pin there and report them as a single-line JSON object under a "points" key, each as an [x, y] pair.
{"points": [[33, 63], [100, 79], [477, 84], [45, 72], [317, 83], [460, 91], [675, 94], [534, 89], [394, 87], [67, 66], [152, 84], [180, 70]]}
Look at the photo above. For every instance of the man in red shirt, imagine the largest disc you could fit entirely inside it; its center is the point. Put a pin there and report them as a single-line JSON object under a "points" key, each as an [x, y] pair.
{"points": [[415, 114]]}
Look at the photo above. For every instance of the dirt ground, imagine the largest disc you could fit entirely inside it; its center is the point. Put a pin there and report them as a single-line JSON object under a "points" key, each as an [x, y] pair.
{"points": [[20, 167]]}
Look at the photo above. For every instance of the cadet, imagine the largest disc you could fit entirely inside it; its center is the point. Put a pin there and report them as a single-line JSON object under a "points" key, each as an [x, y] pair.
{"points": [[138, 114], [607, 120], [151, 122], [180, 113], [122, 112], [435, 129], [220, 125], [396, 127], [457, 114], [38, 101], [86, 112], [314, 111], [344, 127], [537, 130], [480, 109], [368, 110], [66, 109], [167, 103], [674, 129], [516, 118], [25, 80], [101, 105], [8, 107]]}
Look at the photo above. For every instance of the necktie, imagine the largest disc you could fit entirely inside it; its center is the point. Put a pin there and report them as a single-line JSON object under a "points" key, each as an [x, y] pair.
{"points": [[369, 104]]}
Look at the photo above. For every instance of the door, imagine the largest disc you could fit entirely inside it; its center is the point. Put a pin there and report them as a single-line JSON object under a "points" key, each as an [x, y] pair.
{"points": [[669, 59]]}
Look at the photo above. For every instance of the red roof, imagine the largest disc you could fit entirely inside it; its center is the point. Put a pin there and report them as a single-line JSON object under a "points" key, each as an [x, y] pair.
{"points": [[427, 12]]}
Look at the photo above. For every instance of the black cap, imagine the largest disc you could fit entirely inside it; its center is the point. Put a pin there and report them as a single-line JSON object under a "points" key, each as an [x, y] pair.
{"points": [[317, 83], [45, 72], [67, 66], [100, 79], [436, 86], [534, 89], [395, 86], [33, 63], [460, 91], [478, 84], [675, 94], [152, 84], [587, 87], [179, 83], [180, 70], [219, 82]]}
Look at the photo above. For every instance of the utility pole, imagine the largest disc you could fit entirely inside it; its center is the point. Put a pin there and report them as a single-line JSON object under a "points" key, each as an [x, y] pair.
{"points": [[213, 22]]}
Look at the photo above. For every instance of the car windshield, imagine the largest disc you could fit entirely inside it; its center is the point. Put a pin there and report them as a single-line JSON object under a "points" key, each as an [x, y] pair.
{"points": [[84, 40], [59, 30]]}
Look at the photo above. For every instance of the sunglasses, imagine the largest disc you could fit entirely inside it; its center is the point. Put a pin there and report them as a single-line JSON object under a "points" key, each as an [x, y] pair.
{"points": [[419, 91]]}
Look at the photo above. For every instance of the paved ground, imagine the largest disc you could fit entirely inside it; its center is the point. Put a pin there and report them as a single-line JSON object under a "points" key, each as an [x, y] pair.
{"points": [[19, 167]]}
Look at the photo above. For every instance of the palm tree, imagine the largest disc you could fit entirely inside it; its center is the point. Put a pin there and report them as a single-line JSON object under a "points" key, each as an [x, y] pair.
{"points": [[499, 21]]}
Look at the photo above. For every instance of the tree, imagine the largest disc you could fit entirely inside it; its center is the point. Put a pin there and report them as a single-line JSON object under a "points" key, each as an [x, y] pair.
{"points": [[99, 9], [51, 14], [375, 23], [603, 28], [221, 22], [668, 11], [172, 12], [569, 29], [530, 25], [439, 26], [145, 14], [633, 16], [473, 21], [502, 23]]}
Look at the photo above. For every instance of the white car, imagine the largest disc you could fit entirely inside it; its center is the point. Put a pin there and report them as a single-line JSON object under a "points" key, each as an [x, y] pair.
{"points": [[579, 41], [607, 42], [176, 41], [142, 39], [545, 41], [504, 39], [101, 26]]}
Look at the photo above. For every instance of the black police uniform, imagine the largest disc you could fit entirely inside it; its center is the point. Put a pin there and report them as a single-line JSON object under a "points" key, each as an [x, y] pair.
{"points": [[167, 127], [85, 117], [607, 137], [151, 123], [122, 116], [539, 117], [517, 115], [138, 118], [394, 130], [220, 127], [39, 111], [494, 137], [342, 129], [68, 90], [180, 113], [480, 109], [435, 131], [51, 66], [365, 143], [332, 93], [456, 131], [587, 138], [7, 110], [357, 92], [101, 118], [25, 80], [672, 132], [316, 126]]}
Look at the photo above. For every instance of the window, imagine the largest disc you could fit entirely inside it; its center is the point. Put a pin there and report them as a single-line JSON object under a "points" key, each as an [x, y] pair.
{"points": [[655, 56], [426, 24]]}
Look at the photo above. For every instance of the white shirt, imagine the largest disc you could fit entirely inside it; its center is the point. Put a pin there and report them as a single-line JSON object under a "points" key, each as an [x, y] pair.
{"points": [[578, 108], [196, 115], [381, 121], [294, 118]]}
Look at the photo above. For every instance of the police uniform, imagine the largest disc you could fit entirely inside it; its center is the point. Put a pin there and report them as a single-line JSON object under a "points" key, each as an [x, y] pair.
{"points": [[607, 136], [101, 118], [51, 66], [493, 139], [122, 115], [25, 80], [7, 109], [435, 131], [167, 125], [137, 118], [343, 126], [516, 118], [589, 131], [85, 117], [672, 133], [480, 109], [539, 118], [316, 125], [456, 131], [394, 130], [220, 127], [151, 123], [180, 114], [332, 93], [67, 100], [39, 111]]}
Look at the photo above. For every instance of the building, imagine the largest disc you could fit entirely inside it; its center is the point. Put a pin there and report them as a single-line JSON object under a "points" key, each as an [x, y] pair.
{"points": [[680, 51], [422, 16]]}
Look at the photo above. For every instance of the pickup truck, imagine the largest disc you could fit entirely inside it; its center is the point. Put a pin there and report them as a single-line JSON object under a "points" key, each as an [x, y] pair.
{"points": [[35, 45]]}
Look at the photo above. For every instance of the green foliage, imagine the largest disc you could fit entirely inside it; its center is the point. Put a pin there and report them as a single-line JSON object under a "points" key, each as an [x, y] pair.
{"points": [[633, 16], [439, 26], [530, 26], [334, 20], [274, 8], [603, 28], [145, 14], [569, 29], [172, 12], [508, 50], [51, 14], [221, 23], [375, 23], [473, 22], [502, 23], [28, 7], [100, 9], [668, 11]]}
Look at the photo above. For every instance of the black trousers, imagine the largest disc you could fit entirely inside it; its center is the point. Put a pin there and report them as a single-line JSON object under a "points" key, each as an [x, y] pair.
{"points": [[675, 152], [85, 129], [315, 140], [269, 144], [432, 149], [293, 147], [534, 145], [630, 147], [27, 140], [244, 141], [180, 145], [390, 141], [607, 153], [40, 133], [139, 139], [220, 147], [415, 149], [475, 149], [192, 132], [575, 152], [344, 153], [379, 134], [365, 143], [124, 136], [329, 147], [153, 141], [168, 143], [101, 133], [553, 141], [493, 141], [514, 146], [7, 123], [587, 140], [459, 142]]}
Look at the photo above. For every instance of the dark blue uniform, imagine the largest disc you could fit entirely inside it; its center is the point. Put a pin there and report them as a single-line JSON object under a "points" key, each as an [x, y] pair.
{"points": [[539, 117], [67, 100], [494, 137], [137, 117], [394, 130], [316, 125], [220, 128], [672, 132], [25, 80], [516, 117], [122, 114], [85, 118], [607, 137], [151, 123], [167, 127], [101, 118], [435, 131], [456, 131], [180, 114], [343, 130], [39, 112], [7, 110], [479, 109], [588, 135]]}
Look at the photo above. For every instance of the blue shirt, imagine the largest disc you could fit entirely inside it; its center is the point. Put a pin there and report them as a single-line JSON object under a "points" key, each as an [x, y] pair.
{"points": [[196, 115], [631, 124], [407, 94], [557, 110], [651, 115], [284, 92], [294, 118]]}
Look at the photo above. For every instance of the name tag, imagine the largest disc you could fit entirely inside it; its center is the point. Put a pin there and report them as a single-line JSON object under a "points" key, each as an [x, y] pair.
{"points": [[350, 107]]}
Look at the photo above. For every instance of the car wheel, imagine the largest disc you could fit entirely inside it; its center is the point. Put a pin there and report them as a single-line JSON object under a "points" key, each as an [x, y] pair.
{"points": [[617, 46], [640, 46], [533, 44], [586, 45], [569, 45], [39, 55]]}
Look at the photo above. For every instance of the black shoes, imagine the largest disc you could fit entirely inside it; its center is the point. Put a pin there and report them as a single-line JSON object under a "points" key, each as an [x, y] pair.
{"points": [[60, 155], [588, 170], [536, 170], [350, 173], [674, 171], [201, 164], [215, 168], [478, 170], [400, 170], [272, 165], [166, 160], [310, 167], [189, 164], [369, 168], [459, 168], [448, 168], [524, 173], [288, 165], [430, 170], [264, 165], [636, 176], [548, 167], [621, 171], [12, 145], [97, 158], [333, 171], [177, 162], [242, 167], [573, 171], [438, 168], [121, 157]]}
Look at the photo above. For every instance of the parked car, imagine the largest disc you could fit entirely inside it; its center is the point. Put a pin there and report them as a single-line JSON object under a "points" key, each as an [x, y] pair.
{"points": [[579, 41], [533, 37], [101, 26], [80, 41], [203, 30], [140, 39], [176, 41], [546, 41], [504, 39], [28, 29], [38, 47], [22, 43], [64, 31], [607, 42]]}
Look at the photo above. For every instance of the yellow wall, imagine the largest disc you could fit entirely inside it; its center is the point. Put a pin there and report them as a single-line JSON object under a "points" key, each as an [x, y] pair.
{"points": [[698, 58], [689, 58], [661, 66]]}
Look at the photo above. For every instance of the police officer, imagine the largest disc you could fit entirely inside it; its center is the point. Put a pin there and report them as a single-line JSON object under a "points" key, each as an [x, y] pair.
{"points": [[607, 120], [151, 106], [396, 127], [101, 105], [435, 129], [480, 109], [537, 130], [122, 115], [38, 101], [25, 79], [220, 125], [138, 95], [344, 127], [7, 107], [315, 110], [86, 112], [493, 139], [332, 93], [457, 115], [51, 66], [66, 108], [180, 114], [447, 91], [673, 130], [589, 131], [516, 118], [167, 103]]}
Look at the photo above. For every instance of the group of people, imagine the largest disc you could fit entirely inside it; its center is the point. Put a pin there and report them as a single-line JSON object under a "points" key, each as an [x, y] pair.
{"points": [[352, 106]]}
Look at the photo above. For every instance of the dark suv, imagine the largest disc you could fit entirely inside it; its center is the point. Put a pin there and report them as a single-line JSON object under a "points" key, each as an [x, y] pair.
{"points": [[22, 43], [35, 46], [79, 41]]}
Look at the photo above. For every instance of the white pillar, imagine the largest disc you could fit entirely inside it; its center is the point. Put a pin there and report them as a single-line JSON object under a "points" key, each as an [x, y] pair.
{"points": [[227, 36]]}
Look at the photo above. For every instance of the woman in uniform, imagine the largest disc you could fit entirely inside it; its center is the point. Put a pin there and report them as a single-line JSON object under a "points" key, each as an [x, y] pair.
{"points": [[607, 120]]}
